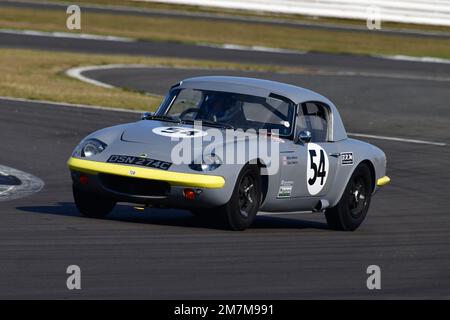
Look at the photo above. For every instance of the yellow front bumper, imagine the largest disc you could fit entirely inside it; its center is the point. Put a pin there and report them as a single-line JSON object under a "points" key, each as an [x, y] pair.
{"points": [[174, 178], [383, 181]]}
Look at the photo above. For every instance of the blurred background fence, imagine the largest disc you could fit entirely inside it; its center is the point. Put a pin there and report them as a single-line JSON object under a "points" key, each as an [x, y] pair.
{"points": [[432, 12]]}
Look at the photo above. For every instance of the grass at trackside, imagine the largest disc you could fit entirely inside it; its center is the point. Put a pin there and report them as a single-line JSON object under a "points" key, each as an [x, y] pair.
{"points": [[245, 13], [200, 30], [39, 75]]}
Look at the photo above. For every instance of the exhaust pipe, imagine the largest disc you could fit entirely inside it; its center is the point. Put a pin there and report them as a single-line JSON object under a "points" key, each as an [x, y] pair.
{"points": [[321, 205]]}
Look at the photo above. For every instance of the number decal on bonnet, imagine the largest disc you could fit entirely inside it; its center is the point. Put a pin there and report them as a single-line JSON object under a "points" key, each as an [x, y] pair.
{"points": [[317, 170], [179, 132]]}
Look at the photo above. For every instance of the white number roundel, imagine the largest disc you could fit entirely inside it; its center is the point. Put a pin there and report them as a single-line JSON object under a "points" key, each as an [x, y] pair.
{"points": [[317, 170], [179, 132]]}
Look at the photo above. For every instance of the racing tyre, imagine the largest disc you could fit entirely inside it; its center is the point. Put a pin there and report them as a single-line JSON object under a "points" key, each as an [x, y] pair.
{"points": [[240, 212], [351, 210], [92, 205]]}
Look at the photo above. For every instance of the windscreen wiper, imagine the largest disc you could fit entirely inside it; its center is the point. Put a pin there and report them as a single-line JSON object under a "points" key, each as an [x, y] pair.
{"points": [[162, 118], [212, 124]]}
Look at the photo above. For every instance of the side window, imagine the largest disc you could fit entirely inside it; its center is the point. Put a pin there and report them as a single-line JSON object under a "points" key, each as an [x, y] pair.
{"points": [[273, 111], [314, 117]]}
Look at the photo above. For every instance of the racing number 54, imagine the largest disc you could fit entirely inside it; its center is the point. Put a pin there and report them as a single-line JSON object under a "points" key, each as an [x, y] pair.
{"points": [[319, 171]]}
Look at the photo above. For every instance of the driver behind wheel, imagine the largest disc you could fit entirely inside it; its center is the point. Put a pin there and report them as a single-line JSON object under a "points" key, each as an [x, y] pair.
{"points": [[222, 109]]}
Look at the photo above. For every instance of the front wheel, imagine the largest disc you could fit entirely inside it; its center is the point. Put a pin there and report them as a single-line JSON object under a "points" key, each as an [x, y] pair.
{"points": [[352, 209], [240, 212], [92, 205]]}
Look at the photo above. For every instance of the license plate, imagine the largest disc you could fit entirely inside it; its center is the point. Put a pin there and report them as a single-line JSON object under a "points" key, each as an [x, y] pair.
{"points": [[138, 161]]}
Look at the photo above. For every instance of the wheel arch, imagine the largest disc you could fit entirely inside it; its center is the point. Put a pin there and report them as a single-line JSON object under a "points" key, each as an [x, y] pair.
{"points": [[372, 171], [264, 177], [338, 195]]}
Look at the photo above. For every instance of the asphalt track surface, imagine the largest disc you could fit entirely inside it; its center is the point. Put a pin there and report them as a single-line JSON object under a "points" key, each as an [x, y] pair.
{"points": [[169, 254]]}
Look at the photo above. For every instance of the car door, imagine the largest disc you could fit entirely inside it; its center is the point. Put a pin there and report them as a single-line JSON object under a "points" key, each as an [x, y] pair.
{"points": [[321, 152], [308, 169]]}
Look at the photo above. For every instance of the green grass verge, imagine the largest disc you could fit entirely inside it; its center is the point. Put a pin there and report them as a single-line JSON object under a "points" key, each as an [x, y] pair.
{"points": [[201, 30], [40, 75]]}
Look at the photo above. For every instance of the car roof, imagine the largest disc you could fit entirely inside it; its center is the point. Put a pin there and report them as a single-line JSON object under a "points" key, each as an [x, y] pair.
{"points": [[253, 86], [263, 88]]}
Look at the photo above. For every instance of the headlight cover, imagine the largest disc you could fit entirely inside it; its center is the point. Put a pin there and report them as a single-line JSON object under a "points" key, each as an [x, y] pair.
{"points": [[208, 163], [89, 148]]}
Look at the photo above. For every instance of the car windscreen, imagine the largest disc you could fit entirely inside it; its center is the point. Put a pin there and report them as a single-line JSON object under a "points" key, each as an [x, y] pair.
{"points": [[240, 111]]}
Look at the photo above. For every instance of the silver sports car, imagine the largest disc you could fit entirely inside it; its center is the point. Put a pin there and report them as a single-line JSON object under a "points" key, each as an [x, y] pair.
{"points": [[227, 148]]}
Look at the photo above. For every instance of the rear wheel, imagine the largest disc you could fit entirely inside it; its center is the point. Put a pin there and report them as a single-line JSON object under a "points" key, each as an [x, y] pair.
{"points": [[352, 209], [240, 212], [92, 205]]}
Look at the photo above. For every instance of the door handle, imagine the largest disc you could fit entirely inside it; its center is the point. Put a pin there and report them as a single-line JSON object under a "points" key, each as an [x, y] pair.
{"points": [[336, 155]]}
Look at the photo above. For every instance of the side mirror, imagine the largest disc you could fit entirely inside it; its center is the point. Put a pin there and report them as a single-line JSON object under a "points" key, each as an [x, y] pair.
{"points": [[146, 115], [304, 136]]}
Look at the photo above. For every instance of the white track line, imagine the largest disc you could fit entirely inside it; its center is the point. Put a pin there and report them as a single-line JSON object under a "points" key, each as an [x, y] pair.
{"points": [[77, 74], [67, 35], [230, 46], [413, 59], [371, 136], [381, 75], [29, 184], [8, 189]]}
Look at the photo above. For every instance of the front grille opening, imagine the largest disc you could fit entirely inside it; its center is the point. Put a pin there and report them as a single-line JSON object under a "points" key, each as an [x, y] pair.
{"points": [[135, 186]]}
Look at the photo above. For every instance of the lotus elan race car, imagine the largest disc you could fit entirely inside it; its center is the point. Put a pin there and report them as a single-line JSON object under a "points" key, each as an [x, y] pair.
{"points": [[293, 150]]}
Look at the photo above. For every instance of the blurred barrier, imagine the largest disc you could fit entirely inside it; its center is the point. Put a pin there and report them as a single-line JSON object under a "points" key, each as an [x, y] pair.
{"points": [[433, 12]]}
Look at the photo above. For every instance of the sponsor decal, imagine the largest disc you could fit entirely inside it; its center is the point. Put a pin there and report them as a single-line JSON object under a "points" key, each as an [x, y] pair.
{"points": [[317, 168], [284, 192], [139, 161], [285, 189], [289, 160], [179, 132], [347, 158]]}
